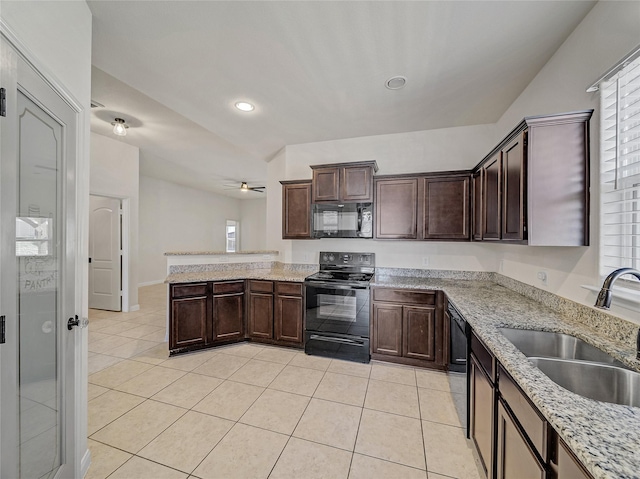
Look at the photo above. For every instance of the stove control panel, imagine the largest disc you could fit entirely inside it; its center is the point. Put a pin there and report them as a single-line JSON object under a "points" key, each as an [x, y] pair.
{"points": [[347, 259]]}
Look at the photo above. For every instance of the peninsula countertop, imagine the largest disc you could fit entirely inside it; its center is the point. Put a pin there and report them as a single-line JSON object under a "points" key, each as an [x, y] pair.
{"points": [[605, 437], [266, 274]]}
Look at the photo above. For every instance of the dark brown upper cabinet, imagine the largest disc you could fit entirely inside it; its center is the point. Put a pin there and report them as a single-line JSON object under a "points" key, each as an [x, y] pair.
{"points": [[349, 182], [535, 183], [396, 208], [423, 207], [296, 209], [491, 188], [513, 201], [445, 206], [476, 182]]}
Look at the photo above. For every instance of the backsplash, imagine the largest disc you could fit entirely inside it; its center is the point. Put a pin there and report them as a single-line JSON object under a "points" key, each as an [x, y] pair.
{"points": [[200, 268], [435, 273], [611, 326]]}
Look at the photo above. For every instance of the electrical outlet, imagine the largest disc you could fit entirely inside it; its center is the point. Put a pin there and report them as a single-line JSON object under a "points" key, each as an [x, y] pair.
{"points": [[425, 261], [543, 277], [501, 266]]}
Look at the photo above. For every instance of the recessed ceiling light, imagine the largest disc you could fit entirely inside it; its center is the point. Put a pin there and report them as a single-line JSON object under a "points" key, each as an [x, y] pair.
{"points": [[244, 106], [395, 83]]}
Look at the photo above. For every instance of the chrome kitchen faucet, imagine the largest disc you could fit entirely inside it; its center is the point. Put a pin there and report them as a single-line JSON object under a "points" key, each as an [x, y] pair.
{"points": [[604, 297]]}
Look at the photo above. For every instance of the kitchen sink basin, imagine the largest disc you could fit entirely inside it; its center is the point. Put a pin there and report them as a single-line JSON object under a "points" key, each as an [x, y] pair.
{"points": [[601, 382], [556, 345]]}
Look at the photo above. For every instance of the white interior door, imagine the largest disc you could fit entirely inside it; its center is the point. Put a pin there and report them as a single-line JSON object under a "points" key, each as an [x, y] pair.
{"points": [[105, 253], [38, 251]]}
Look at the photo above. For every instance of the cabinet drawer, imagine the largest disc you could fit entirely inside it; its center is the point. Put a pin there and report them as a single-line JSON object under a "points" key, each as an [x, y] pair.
{"points": [[291, 289], [404, 296], [527, 415], [231, 287], [186, 290], [485, 358], [260, 286]]}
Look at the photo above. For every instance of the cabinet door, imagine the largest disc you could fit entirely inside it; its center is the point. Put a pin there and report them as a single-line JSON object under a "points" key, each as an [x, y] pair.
{"points": [[419, 333], [288, 318], [356, 184], [568, 466], [513, 201], [260, 315], [446, 208], [387, 329], [514, 457], [477, 206], [396, 208], [491, 177], [481, 416], [227, 316], [188, 322], [326, 184], [296, 210]]}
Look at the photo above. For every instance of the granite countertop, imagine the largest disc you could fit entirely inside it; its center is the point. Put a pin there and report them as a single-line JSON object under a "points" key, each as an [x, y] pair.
{"points": [[605, 437], [267, 274]]}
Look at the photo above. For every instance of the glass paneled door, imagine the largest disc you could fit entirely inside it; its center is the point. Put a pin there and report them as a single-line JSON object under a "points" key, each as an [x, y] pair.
{"points": [[37, 192]]}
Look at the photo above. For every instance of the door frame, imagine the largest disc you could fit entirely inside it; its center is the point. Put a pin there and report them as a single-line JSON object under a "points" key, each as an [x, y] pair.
{"points": [[125, 235], [78, 454]]}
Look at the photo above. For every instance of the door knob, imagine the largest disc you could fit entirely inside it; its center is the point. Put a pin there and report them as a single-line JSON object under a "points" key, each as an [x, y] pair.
{"points": [[73, 322]]}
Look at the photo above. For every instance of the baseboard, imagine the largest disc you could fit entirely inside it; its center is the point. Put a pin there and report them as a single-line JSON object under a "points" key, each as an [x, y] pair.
{"points": [[150, 283], [135, 307], [85, 463]]}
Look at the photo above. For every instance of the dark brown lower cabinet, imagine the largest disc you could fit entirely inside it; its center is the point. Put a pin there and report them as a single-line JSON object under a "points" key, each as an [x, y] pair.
{"points": [[512, 438], [419, 333], [515, 459], [288, 314], [565, 465], [189, 307], [189, 325], [260, 322], [482, 395], [211, 313], [260, 309], [228, 314], [407, 326], [386, 328]]}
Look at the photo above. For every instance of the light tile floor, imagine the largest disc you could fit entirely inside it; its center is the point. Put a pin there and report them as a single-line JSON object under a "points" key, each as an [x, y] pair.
{"points": [[253, 411]]}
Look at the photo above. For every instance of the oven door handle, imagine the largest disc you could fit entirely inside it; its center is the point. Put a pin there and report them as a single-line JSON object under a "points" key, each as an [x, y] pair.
{"points": [[335, 285], [336, 340]]}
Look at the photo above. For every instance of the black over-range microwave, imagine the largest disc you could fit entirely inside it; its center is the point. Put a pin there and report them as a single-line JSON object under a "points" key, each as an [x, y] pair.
{"points": [[344, 220]]}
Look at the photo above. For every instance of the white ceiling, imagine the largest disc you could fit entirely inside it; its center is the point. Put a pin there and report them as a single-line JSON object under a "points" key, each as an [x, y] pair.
{"points": [[314, 69]]}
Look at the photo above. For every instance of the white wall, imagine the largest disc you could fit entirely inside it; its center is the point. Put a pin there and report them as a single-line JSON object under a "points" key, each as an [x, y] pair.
{"points": [[253, 224], [608, 32], [115, 167], [56, 36], [177, 218]]}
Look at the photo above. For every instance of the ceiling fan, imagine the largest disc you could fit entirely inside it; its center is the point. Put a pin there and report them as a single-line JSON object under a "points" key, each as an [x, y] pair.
{"points": [[244, 186]]}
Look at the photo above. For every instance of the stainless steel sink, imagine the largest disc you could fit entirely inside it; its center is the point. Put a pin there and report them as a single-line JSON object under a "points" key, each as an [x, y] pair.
{"points": [[556, 345], [596, 381]]}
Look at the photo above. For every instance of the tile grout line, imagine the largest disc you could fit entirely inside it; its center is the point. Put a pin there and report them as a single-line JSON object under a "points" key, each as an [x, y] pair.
{"points": [[424, 448]]}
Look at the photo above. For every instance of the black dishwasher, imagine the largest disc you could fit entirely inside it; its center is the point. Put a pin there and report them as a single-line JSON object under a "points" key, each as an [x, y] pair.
{"points": [[458, 357]]}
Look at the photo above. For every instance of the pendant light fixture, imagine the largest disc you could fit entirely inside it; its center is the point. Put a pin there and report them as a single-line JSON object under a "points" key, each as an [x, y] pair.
{"points": [[119, 127]]}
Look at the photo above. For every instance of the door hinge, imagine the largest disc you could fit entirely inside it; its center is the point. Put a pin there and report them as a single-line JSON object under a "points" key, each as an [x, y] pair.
{"points": [[3, 336], [3, 102]]}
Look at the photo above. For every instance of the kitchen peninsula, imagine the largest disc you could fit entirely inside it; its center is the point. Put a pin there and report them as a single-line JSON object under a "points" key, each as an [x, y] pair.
{"points": [[213, 301]]}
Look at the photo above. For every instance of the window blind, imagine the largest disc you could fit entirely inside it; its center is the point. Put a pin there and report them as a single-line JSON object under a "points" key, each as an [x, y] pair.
{"points": [[620, 169]]}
